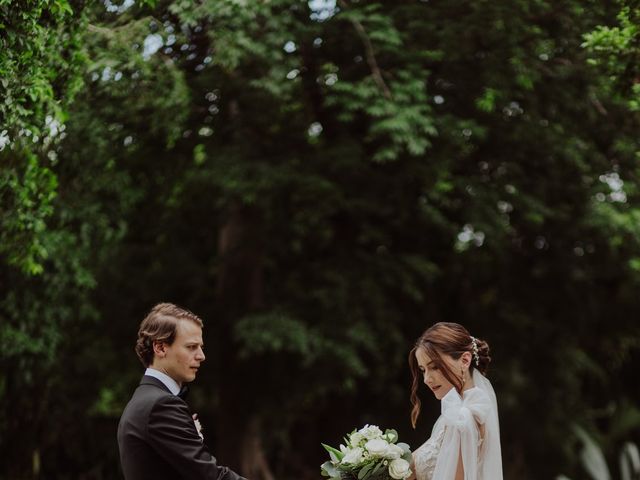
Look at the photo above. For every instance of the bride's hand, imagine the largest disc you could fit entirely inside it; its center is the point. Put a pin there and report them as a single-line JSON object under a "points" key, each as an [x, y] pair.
{"points": [[412, 466]]}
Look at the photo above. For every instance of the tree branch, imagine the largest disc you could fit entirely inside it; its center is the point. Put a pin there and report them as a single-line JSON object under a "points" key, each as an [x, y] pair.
{"points": [[371, 58]]}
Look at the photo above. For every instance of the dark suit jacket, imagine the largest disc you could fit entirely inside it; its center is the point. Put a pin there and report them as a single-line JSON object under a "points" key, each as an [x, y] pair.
{"points": [[158, 439]]}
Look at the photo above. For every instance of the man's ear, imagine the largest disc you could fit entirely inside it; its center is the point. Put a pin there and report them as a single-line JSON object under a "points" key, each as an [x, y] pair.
{"points": [[159, 349]]}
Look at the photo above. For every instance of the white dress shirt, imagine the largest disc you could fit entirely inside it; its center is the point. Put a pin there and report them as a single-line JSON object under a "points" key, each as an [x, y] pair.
{"points": [[169, 382]]}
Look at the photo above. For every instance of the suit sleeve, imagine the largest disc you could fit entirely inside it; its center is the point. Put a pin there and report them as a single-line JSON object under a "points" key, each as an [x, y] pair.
{"points": [[173, 435]]}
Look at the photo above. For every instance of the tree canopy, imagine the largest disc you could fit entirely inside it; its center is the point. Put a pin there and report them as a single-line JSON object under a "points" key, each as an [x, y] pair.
{"points": [[320, 181]]}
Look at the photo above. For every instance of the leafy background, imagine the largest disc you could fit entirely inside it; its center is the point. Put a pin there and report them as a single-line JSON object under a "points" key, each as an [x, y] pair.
{"points": [[320, 181]]}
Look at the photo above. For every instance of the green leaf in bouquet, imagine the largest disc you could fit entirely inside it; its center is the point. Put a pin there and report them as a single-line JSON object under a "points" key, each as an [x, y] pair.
{"points": [[406, 452], [380, 466], [405, 447], [328, 469], [335, 454], [350, 471], [391, 435], [347, 476], [364, 472]]}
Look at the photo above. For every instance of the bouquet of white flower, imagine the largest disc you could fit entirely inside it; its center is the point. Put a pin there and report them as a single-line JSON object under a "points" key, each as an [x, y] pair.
{"points": [[369, 454]]}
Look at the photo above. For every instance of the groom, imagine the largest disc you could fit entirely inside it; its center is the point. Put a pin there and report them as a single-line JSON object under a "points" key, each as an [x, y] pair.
{"points": [[157, 436]]}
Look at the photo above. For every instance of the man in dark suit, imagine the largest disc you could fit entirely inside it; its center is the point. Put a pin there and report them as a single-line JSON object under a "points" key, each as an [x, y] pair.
{"points": [[157, 435]]}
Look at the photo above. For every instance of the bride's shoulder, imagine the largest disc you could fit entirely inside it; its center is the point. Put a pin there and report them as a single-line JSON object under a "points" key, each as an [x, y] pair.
{"points": [[475, 394], [479, 402]]}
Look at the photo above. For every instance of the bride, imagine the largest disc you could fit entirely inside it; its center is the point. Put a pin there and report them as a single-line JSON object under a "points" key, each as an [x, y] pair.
{"points": [[465, 440]]}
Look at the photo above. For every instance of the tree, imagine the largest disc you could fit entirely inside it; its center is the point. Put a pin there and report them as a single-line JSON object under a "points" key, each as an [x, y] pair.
{"points": [[40, 65], [60, 233], [321, 184]]}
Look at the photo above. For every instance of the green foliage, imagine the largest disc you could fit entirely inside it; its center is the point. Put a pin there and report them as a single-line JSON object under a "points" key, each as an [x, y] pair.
{"points": [[65, 203], [616, 51], [121, 70], [40, 64], [401, 124], [27, 192], [346, 178], [274, 332]]}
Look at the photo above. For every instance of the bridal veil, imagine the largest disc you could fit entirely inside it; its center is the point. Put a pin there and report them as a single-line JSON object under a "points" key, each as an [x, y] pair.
{"points": [[481, 454]]}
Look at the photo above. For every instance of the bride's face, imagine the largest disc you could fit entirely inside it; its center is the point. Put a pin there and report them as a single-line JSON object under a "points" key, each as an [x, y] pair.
{"points": [[432, 376]]}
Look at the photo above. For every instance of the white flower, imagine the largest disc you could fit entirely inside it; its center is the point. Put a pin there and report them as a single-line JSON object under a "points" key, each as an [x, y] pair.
{"points": [[377, 447], [353, 456], [393, 451], [399, 469], [355, 439], [198, 425], [370, 432]]}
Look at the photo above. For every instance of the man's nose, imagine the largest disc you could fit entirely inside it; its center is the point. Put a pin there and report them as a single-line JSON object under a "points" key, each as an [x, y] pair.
{"points": [[200, 355]]}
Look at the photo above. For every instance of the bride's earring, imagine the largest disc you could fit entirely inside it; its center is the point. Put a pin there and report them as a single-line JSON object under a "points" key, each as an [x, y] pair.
{"points": [[464, 380]]}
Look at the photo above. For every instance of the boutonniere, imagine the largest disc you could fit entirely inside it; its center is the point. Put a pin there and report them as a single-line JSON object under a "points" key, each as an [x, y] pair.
{"points": [[198, 425]]}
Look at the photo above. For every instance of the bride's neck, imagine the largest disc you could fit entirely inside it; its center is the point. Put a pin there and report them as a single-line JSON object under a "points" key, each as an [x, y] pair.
{"points": [[468, 384]]}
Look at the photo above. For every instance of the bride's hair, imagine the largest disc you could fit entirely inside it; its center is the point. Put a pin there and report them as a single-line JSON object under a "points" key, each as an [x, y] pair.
{"points": [[445, 338]]}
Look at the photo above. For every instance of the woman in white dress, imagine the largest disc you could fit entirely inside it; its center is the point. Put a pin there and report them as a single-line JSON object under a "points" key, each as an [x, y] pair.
{"points": [[465, 440]]}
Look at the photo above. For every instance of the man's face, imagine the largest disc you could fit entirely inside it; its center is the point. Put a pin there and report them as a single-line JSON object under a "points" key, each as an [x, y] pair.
{"points": [[183, 357]]}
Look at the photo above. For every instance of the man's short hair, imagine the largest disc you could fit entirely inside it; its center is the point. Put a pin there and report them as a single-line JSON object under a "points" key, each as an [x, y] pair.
{"points": [[160, 326]]}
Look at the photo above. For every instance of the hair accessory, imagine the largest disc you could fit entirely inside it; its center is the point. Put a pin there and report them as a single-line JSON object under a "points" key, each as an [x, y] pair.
{"points": [[474, 346]]}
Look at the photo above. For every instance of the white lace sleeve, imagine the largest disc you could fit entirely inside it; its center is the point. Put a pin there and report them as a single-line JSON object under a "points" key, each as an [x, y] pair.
{"points": [[425, 457], [461, 416]]}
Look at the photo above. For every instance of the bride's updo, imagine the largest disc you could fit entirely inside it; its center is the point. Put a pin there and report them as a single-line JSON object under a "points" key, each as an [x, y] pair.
{"points": [[451, 339]]}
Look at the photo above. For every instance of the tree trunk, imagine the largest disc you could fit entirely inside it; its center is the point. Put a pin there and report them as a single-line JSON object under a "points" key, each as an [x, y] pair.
{"points": [[239, 291]]}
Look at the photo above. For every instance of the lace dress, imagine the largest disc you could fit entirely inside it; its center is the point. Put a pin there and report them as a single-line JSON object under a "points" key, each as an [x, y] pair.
{"points": [[426, 456]]}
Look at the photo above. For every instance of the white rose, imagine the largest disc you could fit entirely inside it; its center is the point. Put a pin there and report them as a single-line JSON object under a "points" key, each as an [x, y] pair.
{"points": [[394, 451], [399, 469], [370, 432], [353, 456], [377, 447], [355, 439]]}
